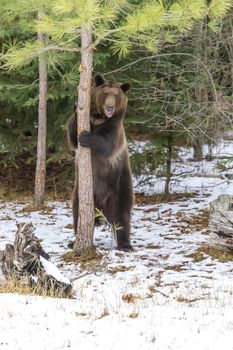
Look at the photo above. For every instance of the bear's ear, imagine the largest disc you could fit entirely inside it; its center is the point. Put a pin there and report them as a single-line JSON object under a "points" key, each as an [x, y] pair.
{"points": [[125, 87], [99, 80]]}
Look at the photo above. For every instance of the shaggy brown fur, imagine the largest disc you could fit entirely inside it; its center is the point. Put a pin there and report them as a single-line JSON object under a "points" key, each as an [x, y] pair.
{"points": [[113, 192]]}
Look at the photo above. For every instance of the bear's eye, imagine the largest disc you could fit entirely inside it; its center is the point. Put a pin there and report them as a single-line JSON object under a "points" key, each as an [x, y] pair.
{"points": [[117, 97]]}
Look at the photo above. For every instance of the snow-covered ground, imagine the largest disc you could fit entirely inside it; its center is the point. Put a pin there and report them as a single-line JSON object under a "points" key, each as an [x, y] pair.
{"points": [[157, 297]]}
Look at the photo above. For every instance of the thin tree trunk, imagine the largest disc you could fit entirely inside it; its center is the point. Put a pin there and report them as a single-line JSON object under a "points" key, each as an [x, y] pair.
{"points": [[168, 167], [197, 148], [230, 46], [209, 156], [42, 121], [201, 92], [84, 239]]}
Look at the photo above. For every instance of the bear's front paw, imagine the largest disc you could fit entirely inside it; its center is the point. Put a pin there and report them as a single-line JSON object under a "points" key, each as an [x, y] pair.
{"points": [[85, 138]]}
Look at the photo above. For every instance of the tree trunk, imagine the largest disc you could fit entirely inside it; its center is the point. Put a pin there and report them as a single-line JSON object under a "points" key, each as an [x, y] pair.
{"points": [[201, 92], [42, 121], [84, 239], [168, 167], [197, 148], [209, 156]]}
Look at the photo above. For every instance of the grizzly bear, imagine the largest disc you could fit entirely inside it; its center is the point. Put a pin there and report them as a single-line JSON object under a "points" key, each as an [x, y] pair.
{"points": [[112, 178]]}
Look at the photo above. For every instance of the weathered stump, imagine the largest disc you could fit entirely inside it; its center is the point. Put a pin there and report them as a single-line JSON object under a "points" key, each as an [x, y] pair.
{"points": [[27, 261], [221, 223]]}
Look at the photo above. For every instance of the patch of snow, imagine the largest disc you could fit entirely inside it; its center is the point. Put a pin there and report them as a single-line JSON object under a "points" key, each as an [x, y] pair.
{"points": [[156, 297], [53, 271]]}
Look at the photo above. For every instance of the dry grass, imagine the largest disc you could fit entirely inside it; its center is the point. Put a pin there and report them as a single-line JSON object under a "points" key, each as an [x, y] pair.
{"points": [[196, 256], [82, 314], [133, 314], [87, 259], [160, 198], [187, 300], [130, 298], [84, 256], [201, 220], [175, 267], [12, 285], [216, 253], [25, 286], [120, 268], [104, 313], [69, 226], [44, 209], [185, 223], [153, 246], [152, 289]]}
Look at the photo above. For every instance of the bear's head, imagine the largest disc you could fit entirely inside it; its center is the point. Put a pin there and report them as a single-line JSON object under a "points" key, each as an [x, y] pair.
{"points": [[108, 99]]}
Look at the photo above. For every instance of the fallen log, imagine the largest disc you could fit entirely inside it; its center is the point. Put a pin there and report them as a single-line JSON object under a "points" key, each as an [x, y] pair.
{"points": [[221, 223], [27, 262]]}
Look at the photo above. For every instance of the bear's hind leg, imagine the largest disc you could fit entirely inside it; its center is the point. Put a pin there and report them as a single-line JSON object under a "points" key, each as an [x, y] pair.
{"points": [[117, 210], [123, 234], [125, 206]]}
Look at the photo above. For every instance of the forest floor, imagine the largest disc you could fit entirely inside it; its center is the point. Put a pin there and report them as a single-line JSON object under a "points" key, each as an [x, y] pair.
{"points": [[172, 292]]}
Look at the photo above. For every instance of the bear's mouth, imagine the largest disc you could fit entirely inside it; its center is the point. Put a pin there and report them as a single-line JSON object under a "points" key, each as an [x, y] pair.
{"points": [[109, 111]]}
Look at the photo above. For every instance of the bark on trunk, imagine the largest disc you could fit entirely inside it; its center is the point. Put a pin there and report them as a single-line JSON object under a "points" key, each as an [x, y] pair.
{"points": [[168, 167], [84, 239], [201, 92], [197, 148], [42, 122]]}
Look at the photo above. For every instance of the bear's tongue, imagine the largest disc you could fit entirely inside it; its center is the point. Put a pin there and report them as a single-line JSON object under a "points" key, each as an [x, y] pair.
{"points": [[109, 110], [109, 114]]}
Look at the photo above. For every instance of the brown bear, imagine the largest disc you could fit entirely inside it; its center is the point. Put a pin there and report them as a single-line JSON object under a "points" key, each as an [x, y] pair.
{"points": [[112, 178]]}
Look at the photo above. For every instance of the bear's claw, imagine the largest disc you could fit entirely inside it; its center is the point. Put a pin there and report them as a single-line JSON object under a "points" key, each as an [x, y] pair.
{"points": [[84, 138]]}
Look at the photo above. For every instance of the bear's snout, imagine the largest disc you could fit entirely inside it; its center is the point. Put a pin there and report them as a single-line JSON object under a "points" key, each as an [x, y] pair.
{"points": [[109, 105], [109, 111]]}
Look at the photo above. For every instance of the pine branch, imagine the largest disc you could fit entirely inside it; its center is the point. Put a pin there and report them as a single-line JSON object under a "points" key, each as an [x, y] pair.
{"points": [[60, 48]]}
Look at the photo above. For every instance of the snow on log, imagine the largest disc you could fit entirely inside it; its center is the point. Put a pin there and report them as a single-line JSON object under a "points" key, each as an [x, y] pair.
{"points": [[221, 222], [27, 258]]}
